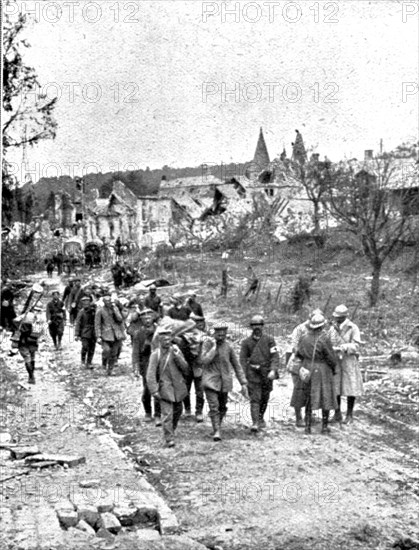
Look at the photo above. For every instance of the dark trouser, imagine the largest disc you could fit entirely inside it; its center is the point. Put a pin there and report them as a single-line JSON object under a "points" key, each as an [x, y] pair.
{"points": [[146, 400], [28, 354], [259, 393], [73, 315], [87, 350], [56, 331], [308, 412], [171, 412], [110, 353], [351, 403], [7, 316], [199, 394], [217, 403], [297, 410]]}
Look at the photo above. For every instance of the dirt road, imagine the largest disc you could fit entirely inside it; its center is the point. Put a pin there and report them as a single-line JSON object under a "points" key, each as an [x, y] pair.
{"points": [[278, 489], [357, 488]]}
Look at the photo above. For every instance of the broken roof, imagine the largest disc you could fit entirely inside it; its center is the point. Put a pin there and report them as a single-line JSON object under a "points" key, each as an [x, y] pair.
{"points": [[229, 191], [185, 201], [203, 180]]}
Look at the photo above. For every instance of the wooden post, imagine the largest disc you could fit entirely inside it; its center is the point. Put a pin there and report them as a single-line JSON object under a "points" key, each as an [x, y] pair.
{"points": [[277, 295]]}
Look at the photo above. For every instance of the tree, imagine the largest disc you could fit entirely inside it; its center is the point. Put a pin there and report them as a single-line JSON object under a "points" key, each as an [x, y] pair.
{"points": [[23, 104], [368, 200], [27, 114], [29, 205]]}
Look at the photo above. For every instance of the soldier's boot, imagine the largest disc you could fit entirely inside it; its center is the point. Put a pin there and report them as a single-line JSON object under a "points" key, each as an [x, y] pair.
{"points": [[349, 414], [308, 421], [325, 422], [30, 367], [299, 422], [215, 421], [338, 414], [254, 413]]}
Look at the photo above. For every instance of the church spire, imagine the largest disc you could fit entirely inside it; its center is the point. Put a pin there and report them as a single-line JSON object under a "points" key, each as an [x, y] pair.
{"points": [[298, 150], [261, 158]]}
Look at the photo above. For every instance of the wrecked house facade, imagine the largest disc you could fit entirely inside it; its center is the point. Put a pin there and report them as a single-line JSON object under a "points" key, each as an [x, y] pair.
{"points": [[144, 221], [196, 206], [266, 186]]}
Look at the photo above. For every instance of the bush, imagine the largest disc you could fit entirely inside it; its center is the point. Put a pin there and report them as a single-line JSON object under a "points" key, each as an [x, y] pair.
{"points": [[18, 259], [163, 251]]}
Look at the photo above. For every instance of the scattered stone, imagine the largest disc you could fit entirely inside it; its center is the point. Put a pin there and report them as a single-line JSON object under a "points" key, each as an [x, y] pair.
{"points": [[61, 459], [91, 483], [68, 518], [104, 534], [145, 513], [89, 514], [105, 505], [147, 535], [46, 464], [110, 523], [168, 524], [22, 452], [84, 526], [126, 516]]}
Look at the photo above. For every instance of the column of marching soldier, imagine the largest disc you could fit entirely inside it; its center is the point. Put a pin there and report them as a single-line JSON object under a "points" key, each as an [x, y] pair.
{"points": [[171, 350]]}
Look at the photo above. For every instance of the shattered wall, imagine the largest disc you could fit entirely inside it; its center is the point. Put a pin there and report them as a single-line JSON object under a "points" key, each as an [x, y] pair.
{"points": [[154, 217]]}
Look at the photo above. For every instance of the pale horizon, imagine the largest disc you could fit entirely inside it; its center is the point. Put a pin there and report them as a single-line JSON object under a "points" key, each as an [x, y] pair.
{"points": [[164, 83]]}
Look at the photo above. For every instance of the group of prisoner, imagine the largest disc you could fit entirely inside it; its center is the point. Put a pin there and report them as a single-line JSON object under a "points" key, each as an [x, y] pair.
{"points": [[172, 349]]}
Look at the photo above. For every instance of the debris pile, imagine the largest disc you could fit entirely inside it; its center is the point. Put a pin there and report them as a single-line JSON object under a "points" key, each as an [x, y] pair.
{"points": [[106, 517]]}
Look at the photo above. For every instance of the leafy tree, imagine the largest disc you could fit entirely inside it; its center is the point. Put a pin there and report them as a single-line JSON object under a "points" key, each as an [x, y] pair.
{"points": [[23, 104], [27, 114], [363, 198]]}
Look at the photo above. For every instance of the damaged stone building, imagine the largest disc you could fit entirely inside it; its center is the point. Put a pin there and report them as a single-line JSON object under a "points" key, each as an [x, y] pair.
{"points": [[184, 202]]}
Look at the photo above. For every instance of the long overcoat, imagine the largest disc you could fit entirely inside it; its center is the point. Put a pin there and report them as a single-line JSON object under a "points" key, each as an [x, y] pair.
{"points": [[218, 362], [165, 374], [316, 351], [348, 378]]}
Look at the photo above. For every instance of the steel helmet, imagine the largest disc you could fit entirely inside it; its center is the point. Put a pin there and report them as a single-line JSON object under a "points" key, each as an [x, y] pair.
{"points": [[257, 320]]}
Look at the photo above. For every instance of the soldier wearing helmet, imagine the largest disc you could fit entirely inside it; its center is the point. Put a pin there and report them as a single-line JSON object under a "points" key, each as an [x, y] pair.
{"points": [[260, 361]]}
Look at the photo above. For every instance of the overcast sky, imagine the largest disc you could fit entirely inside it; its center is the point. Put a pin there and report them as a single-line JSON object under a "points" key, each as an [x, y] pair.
{"points": [[160, 72]]}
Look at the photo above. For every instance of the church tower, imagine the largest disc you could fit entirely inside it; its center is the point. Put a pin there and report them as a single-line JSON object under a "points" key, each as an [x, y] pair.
{"points": [[260, 160], [298, 150]]}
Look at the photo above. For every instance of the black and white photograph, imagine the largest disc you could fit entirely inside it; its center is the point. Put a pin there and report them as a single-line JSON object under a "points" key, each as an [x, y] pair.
{"points": [[209, 333]]}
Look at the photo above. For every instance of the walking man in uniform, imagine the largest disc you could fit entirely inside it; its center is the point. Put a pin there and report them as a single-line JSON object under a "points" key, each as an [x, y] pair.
{"points": [[165, 379], [141, 351], [110, 333], [56, 317], [218, 360], [260, 361], [85, 330]]}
